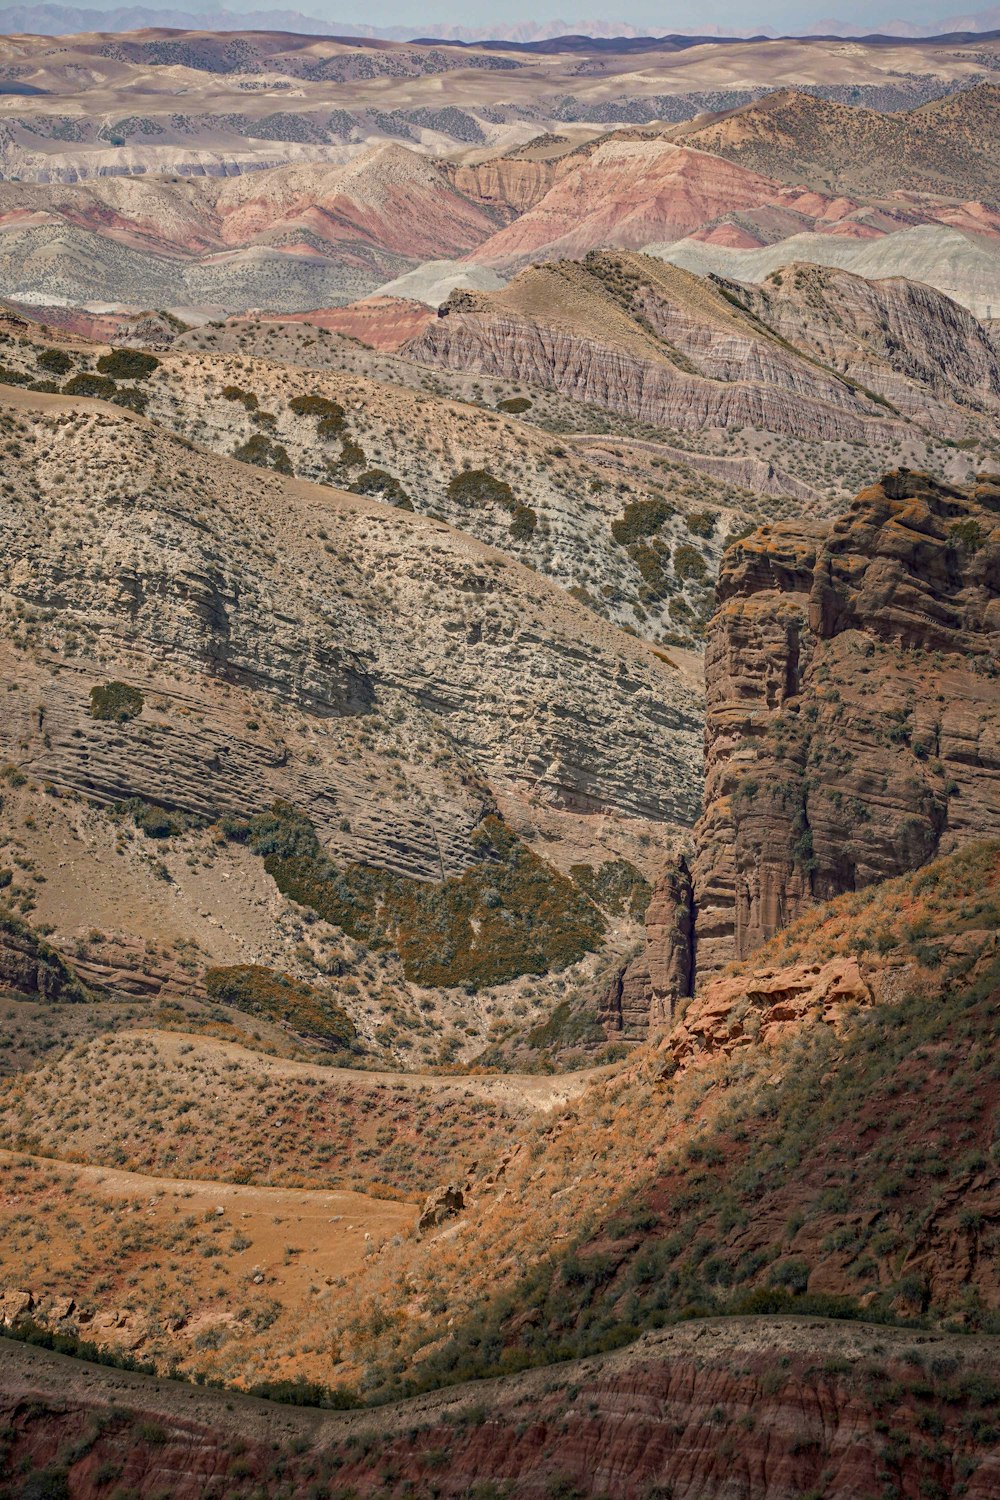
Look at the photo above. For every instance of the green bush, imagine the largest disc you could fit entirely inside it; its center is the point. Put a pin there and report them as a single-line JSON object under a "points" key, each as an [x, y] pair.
{"points": [[246, 398], [651, 562], [330, 412], [116, 700], [689, 563], [132, 398], [515, 405], [86, 384], [641, 518], [302, 1392], [260, 451], [702, 522], [474, 487], [383, 486], [616, 886], [523, 523], [55, 361], [509, 914], [127, 364], [278, 997], [154, 821]]}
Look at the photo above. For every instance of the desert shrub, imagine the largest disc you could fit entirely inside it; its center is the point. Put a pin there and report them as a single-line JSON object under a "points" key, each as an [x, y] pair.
{"points": [[132, 398], [302, 1392], [87, 384], [27, 1331], [651, 562], [523, 523], [383, 486], [154, 821], [641, 518], [128, 364], [279, 997], [260, 451], [55, 361], [702, 522], [235, 393], [566, 1027], [793, 1275], [616, 886], [13, 377], [515, 405], [352, 455], [966, 534], [475, 487], [689, 563], [330, 412], [50, 1483], [118, 701]]}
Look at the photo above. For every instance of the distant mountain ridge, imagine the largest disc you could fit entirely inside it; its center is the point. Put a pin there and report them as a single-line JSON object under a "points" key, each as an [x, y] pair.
{"points": [[557, 35]]}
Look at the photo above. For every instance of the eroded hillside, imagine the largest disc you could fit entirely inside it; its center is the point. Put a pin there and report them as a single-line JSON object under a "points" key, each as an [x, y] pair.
{"points": [[280, 692]]}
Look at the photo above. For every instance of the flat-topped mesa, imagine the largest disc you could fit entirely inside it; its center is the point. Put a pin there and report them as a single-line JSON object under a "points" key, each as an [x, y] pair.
{"points": [[853, 717]]}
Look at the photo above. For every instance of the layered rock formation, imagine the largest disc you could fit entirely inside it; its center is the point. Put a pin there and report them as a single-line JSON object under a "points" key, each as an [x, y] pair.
{"points": [[852, 734], [272, 662], [660, 346], [853, 726], [301, 236], [949, 145], [30, 969], [767, 1407]]}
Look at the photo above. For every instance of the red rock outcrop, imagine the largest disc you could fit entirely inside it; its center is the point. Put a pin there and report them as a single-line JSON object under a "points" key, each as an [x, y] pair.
{"points": [[380, 322], [509, 184], [632, 189], [643, 995], [31, 969], [853, 718]]}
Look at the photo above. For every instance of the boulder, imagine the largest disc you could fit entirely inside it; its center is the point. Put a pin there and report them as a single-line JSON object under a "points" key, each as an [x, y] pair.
{"points": [[444, 1203]]}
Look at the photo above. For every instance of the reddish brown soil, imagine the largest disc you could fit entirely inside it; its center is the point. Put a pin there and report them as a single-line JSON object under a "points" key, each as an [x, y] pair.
{"points": [[760, 1408]]}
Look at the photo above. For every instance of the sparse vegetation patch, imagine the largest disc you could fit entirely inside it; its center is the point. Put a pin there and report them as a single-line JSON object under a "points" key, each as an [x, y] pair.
{"points": [[118, 701]]}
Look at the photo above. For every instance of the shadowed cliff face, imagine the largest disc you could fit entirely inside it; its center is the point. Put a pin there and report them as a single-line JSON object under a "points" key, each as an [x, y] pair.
{"points": [[853, 730]]}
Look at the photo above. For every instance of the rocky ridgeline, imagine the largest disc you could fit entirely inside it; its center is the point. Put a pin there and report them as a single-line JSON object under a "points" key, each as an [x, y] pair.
{"points": [[654, 1417], [815, 355], [905, 342], [853, 728]]}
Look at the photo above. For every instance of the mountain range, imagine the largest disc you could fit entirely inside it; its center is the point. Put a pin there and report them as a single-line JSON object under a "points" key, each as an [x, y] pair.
{"points": [[55, 20]]}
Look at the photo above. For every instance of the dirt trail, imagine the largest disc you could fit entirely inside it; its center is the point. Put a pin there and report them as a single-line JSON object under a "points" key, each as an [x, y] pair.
{"points": [[531, 1091]]}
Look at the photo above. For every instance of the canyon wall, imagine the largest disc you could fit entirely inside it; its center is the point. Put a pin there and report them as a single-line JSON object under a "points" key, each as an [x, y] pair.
{"points": [[852, 725]]}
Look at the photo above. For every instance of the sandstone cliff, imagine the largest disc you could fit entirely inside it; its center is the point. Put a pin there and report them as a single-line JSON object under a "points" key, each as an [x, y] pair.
{"points": [[853, 728], [852, 731]]}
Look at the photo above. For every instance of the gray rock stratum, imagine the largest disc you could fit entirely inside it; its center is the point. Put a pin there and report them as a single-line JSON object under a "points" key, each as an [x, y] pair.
{"points": [[377, 668]]}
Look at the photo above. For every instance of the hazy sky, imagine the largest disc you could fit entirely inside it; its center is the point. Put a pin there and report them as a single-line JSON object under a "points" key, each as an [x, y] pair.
{"points": [[654, 18]]}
